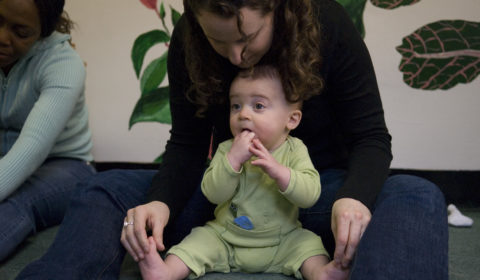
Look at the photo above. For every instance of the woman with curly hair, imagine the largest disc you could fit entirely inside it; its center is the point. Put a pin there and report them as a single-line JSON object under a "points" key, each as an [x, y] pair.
{"points": [[45, 141], [258, 179], [379, 227]]}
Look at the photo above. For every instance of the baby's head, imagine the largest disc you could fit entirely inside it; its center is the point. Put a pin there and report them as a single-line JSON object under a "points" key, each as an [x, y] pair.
{"points": [[258, 104]]}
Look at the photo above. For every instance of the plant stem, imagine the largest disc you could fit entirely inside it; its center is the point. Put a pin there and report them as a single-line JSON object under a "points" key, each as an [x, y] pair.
{"points": [[163, 22]]}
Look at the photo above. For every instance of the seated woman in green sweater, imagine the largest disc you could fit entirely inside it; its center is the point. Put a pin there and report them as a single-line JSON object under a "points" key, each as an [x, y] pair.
{"points": [[45, 141]]}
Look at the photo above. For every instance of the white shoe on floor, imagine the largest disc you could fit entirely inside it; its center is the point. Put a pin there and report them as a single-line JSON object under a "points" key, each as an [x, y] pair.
{"points": [[456, 218]]}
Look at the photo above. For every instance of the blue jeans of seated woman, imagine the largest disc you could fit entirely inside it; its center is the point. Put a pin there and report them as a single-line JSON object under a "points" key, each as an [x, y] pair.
{"points": [[40, 202], [407, 237]]}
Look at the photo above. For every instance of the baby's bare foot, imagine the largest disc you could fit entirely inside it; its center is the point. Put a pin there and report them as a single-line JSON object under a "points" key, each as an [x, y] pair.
{"points": [[332, 271], [152, 266]]}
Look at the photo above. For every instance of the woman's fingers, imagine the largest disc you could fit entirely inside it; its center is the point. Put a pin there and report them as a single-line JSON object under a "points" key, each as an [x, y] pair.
{"points": [[350, 218], [341, 230], [158, 223], [154, 216], [129, 237], [353, 239], [127, 246], [139, 228]]}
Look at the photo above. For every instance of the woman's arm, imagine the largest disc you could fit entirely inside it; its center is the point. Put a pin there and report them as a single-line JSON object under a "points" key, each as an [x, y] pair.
{"points": [[59, 81], [185, 157], [352, 84], [358, 111], [184, 160]]}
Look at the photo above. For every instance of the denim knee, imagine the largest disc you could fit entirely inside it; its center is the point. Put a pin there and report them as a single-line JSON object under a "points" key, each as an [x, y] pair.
{"points": [[417, 189], [126, 188], [408, 232]]}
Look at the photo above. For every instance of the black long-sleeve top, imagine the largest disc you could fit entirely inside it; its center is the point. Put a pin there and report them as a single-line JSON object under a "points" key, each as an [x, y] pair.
{"points": [[343, 127]]}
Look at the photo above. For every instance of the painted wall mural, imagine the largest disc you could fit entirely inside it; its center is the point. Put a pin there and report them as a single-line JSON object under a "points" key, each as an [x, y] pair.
{"points": [[393, 4], [355, 9], [439, 55], [436, 56], [153, 105]]}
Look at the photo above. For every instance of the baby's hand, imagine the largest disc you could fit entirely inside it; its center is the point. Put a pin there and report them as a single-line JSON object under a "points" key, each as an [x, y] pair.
{"points": [[239, 152], [265, 160]]}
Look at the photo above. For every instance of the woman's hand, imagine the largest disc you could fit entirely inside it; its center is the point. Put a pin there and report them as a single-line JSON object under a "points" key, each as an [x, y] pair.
{"points": [[151, 216], [350, 218]]}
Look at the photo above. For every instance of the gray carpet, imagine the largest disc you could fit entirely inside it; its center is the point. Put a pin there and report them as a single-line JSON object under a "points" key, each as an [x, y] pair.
{"points": [[464, 255], [464, 249]]}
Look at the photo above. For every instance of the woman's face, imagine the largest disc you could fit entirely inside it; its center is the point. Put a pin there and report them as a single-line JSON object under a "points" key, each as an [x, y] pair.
{"points": [[227, 40], [20, 28]]}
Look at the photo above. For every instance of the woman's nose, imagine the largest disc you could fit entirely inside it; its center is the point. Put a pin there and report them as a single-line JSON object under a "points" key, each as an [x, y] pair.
{"points": [[235, 54], [4, 36]]}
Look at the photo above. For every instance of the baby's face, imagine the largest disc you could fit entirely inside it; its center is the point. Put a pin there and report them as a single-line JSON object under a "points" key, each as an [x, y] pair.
{"points": [[259, 105]]}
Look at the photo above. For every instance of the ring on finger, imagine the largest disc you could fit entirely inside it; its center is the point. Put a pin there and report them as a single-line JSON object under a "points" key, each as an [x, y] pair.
{"points": [[126, 224]]}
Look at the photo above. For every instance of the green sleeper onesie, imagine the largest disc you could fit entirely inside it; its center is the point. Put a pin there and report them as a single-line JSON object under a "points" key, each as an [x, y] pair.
{"points": [[273, 240]]}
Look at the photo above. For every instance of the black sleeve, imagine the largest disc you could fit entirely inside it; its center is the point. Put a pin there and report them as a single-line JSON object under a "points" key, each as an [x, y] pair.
{"points": [[186, 152], [357, 106]]}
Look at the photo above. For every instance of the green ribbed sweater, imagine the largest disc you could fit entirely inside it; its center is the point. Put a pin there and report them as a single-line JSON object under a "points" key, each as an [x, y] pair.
{"points": [[42, 111]]}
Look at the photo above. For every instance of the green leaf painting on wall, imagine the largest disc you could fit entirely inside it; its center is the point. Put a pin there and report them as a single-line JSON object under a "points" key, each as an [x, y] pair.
{"points": [[153, 105], [441, 55], [438, 55], [355, 9], [143, 43], [393, 4]]}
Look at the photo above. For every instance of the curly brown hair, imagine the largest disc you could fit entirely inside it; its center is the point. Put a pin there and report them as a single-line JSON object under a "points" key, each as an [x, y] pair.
{"points": [[265, 71], [295, 49]]}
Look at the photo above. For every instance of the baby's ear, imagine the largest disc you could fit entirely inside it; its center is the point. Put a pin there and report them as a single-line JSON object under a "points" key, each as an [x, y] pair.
{"points": [[294, 119]]}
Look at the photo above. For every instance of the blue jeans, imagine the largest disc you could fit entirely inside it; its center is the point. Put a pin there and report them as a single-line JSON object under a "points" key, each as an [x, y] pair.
{"points": [[40, 202], [407, 237]]}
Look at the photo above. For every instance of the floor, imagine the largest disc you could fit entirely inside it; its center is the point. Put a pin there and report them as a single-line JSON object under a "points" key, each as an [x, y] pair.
{"points": [[464, 249], [464, 254]]}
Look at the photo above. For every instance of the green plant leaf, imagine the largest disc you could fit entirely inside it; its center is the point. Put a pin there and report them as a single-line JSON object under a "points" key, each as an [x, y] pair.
{"points": [[162, 11], [393, 4], [142, 44], [175, 16], [154, 74], [441, 55], [355, 9], [159, 159], [152, 107]]}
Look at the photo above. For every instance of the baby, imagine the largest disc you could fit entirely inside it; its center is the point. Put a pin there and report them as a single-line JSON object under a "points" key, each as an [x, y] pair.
{"points": [[258, 179]]}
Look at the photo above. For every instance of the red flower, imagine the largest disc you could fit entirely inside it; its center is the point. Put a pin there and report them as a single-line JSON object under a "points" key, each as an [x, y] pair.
{"points": [[151, 4]]}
